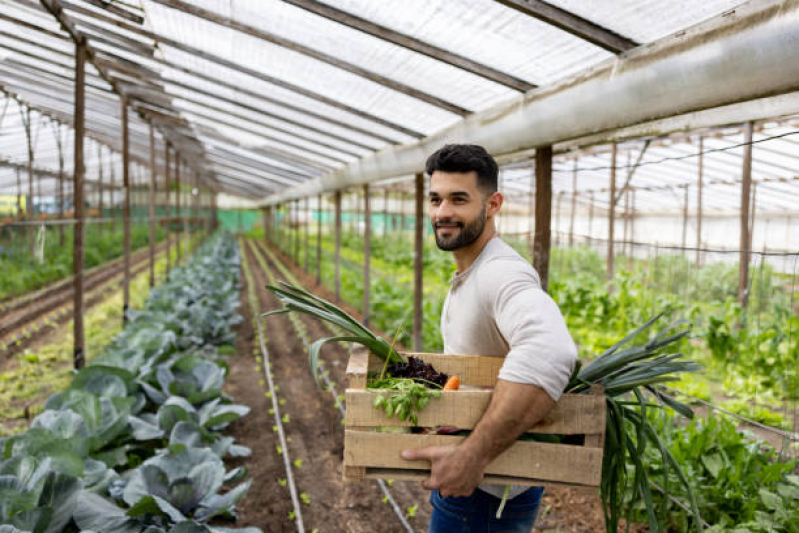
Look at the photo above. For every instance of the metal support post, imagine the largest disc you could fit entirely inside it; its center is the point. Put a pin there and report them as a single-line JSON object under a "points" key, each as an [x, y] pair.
{"points": [[168, 212], [418, 251], [78, 352], [611, 212], [746, 240], [126, 208], [699, 203], [337, 202], [319, 242], [367, 252], [151, 206], [543, 213]]}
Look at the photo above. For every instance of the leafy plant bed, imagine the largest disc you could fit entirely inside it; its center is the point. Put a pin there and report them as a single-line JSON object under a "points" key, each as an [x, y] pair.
{"points": [[135, 442]]}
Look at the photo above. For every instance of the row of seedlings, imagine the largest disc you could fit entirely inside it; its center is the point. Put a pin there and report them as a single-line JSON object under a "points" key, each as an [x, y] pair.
{"points": [[261, 354], [135, 442], [302, 333], [97, 292]]}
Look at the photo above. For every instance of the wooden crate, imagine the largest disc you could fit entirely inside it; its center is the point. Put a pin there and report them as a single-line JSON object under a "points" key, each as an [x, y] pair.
{"points": [[369, 454]]}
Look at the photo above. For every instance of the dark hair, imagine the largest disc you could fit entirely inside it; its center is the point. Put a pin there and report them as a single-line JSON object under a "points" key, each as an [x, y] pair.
{"points": [[466, 158]]}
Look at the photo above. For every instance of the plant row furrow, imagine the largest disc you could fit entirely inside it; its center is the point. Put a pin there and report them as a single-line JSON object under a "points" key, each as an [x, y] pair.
{"points": [[272, 394], [302, 333]]}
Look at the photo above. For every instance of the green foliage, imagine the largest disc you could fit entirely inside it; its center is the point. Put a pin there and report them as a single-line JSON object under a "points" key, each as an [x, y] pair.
{"points": [[21, 273], [740, 483], [118, 411]]}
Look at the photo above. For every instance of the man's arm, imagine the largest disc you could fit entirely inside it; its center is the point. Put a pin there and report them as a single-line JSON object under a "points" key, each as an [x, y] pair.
{"points": [[457, 470]]}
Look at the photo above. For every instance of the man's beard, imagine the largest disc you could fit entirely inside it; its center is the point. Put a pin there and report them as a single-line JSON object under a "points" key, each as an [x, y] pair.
{"points": [[467, 235]]}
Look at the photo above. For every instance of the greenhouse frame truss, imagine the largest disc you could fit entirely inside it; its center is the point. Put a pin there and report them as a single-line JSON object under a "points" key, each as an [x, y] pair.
{"points": [[618, 108]]}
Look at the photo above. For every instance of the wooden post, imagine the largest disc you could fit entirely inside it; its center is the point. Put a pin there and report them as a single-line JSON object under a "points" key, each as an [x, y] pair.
{"points": [[319, 242], [186, 191], [113, 195], [168, 214], [543, 213], [151, 206], [193, 197], [126, 208], [214, 213], [530, 219], [31, 211], [61, 235], [78, 351], [633, 214], [100, 182], [385, 214], [699, 203], [685, 219], [367, 252], [752, 214], [626, 218], [558, 198], [611, 211], [591, 215], [20, 215], [307, 221], [178, 212], [297, 232], [418, 252], [574, 205], [337, 202], [746, 241]]}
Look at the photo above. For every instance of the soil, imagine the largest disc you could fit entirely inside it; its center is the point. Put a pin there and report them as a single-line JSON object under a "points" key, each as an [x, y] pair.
{"points": [[317, 438]]}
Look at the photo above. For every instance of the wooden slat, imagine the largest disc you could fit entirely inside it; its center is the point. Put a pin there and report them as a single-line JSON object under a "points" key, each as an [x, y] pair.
{"points": [[397, 474], [574, 414], [474, 370], [534, 460], [357, 368]]}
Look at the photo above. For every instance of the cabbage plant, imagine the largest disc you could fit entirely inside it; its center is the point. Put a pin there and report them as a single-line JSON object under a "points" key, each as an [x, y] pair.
{"points": [[34, 497], [166, 489]]}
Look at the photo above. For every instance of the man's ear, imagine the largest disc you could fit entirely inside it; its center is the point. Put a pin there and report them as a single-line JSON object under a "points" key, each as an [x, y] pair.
{"points": [[494, 203]]}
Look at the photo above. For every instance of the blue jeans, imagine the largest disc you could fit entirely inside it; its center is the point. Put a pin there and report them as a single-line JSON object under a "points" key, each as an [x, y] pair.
{"points": [[477, 513]]}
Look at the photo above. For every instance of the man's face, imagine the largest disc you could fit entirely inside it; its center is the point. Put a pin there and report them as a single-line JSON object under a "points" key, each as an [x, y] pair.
{"points": [[457, 209]]}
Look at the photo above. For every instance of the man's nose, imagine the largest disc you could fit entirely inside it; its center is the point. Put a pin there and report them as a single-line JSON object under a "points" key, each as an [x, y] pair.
{"points": [[444, 210]]}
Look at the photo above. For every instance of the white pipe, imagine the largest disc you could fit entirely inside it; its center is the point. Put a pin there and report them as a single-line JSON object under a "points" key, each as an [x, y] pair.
{"points": [[746, 54]]}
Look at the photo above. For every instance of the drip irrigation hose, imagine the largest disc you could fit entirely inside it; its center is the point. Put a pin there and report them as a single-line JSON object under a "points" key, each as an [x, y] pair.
{"points": [[295, 501], [302, 334]]}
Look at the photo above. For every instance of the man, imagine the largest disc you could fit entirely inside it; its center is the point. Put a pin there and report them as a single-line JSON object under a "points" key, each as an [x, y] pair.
{"points": [[495, 306]]}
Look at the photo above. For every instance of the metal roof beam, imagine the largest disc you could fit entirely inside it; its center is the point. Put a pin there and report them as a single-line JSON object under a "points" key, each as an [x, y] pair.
{"points": [[411, 43], [729, 59], [573, 24], [294, 46], [209, 120], [164, 40], [269, 153], [80, 10]]}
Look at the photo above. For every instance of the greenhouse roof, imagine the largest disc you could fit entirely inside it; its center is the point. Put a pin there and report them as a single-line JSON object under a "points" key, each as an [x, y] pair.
{"points": [[261, 96]]}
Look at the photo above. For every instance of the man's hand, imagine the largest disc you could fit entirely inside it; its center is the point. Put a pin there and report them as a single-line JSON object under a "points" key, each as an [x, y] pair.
{"points": [[453, 470], [457, 470]]}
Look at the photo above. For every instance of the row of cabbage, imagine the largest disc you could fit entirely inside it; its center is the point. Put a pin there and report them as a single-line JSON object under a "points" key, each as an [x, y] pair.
{"points": [[135, 444]]}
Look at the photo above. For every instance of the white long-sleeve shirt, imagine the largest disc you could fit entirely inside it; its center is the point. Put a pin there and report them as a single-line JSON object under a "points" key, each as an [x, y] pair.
{"points": [[496, 307]]}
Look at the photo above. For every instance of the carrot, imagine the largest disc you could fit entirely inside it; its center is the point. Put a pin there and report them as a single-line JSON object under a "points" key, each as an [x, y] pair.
{"points": [[453, 383]]}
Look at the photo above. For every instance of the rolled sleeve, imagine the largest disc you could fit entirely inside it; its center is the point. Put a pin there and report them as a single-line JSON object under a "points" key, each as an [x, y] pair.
{"points": [[541, 350]]}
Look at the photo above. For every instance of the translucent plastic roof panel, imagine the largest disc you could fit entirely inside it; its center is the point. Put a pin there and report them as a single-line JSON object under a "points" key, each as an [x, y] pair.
{"points": [[648, 21], [300, 70], [487, 32]]}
